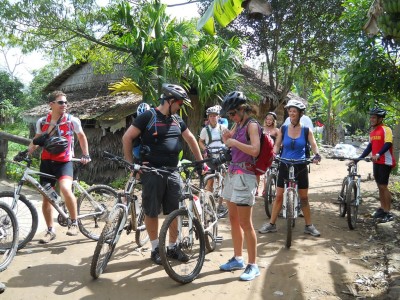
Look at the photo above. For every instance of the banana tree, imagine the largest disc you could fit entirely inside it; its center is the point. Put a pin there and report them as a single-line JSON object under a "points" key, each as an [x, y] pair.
{"points": [[225, 11]]}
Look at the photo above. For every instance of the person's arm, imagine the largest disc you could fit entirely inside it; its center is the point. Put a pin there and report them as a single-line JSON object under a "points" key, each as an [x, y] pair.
{"points": [[314, 146], [191, 141], [83, 143], [202, 140], [32, 147], [278, 142], [366, 151], [253, 148], [129, 136]]}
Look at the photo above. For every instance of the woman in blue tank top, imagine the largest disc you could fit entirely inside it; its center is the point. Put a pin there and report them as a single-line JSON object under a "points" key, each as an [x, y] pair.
{"points": [[294, 142]]}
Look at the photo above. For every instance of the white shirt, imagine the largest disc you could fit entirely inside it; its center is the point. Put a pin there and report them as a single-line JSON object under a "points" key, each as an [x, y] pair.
{"points": [[216, 134], [305, 120]]}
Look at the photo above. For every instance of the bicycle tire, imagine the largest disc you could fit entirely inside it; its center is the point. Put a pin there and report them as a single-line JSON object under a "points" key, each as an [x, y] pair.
{"points": [[183, 272], [107, 197], [342, 198], [8, 235], [289, 217], [352, 207], [141, 234], [270, 193], [106, 243], [26, 214], [210, 216]]}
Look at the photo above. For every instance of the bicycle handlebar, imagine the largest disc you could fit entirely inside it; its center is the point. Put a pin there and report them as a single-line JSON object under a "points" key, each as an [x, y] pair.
{"points": [[291, 160], [132, 166], [367, 159]]}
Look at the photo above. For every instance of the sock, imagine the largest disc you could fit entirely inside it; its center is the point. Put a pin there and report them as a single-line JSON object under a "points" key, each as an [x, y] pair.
{"points": [[171, 245], [50, 229], [73, 221], [154, 244], [239, 258]]}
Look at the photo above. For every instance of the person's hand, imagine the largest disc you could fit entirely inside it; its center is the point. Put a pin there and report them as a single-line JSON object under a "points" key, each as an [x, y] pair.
{"points": [[85, 159], [316, 159]]}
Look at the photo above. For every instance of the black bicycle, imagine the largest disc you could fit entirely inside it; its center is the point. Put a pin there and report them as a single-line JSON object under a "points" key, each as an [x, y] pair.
{"points": [[8, 235]]}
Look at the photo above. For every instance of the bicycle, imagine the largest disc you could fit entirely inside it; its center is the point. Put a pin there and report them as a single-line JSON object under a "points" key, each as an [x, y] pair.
{"points": [[291, 201], [8, 235], [218, 182], [349, 197], [93, 204], [118, 219], [194, 225], [270, 187]]}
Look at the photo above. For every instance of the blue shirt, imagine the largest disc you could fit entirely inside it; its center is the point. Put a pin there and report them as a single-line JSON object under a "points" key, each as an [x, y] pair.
{"points": [[294, 148]]}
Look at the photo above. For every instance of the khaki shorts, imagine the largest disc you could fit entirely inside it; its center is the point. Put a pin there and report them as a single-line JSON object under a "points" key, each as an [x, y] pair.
{"points": [[240, 189]]}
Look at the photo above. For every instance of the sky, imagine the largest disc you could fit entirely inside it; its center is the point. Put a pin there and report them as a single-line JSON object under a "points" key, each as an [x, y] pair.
{"points": [[35, 61]]}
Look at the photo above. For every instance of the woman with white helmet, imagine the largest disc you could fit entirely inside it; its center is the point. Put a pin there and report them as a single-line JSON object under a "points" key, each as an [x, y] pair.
{"points": [[293, 139]]}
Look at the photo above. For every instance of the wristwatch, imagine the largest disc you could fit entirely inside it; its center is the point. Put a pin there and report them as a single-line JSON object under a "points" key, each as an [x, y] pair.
{"points": [[378, 155]]}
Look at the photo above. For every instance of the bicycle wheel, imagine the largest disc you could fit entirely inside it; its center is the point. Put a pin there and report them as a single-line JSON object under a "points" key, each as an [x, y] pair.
{"points": [[8, 235], [342, 198], [26, 214], [190, 240], [107, 242], [141, 235], [270, 193], [104, 197], [289, 217], [210, 222], [352, 207]]}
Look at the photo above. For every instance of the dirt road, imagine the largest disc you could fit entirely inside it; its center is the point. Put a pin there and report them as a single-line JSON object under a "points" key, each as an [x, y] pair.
{"points": [[329, 267]]}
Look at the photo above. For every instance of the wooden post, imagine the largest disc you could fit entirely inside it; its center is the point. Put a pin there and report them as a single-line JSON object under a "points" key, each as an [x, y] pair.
{"points": [[4, 138]]}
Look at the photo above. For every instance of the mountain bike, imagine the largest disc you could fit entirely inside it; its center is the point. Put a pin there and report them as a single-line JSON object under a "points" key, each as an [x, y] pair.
{"points": [[349, 197], [270, 187], [194, 225], [220, 171], [93, 204], [8, 235], [291, 201], [119, 218]]}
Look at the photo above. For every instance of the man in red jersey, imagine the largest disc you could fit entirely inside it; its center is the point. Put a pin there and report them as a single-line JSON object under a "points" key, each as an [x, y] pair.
{"points": [[381, 145]]}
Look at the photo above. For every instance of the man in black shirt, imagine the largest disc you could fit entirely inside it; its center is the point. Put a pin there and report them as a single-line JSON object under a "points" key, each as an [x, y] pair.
{"points": [[161, 131]]}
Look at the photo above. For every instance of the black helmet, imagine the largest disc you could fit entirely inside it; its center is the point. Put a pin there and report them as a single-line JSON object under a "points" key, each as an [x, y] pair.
{"points": [[378, 111], [231, 101], [56, 144], [174, 91], [272, 114]]}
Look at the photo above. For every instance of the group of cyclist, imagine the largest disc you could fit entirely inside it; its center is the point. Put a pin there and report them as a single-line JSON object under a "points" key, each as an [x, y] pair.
{"points": [[161, 132]]}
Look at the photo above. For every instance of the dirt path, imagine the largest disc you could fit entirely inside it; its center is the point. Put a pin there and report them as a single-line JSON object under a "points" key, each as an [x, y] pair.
{"points": [[328, 267]]}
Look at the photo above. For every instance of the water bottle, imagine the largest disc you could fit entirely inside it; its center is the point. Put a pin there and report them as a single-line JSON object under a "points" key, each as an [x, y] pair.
{"points": [[198, 204], [52, 194]]}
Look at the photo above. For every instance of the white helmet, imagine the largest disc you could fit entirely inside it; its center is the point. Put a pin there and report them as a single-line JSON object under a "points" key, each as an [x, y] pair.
{"points": [[295, 103], [142, 108], [213, 110]]}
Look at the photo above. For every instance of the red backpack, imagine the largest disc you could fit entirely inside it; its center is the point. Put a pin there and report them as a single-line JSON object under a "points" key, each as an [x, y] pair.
{"points": [[266, 156]]}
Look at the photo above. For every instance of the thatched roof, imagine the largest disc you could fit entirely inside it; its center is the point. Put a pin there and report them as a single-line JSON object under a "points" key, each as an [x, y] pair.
{"points": [[108, 110]]}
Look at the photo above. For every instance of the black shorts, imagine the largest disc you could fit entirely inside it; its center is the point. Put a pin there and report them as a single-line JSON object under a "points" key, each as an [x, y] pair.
{"points": [[300, 173], [382, 173], [160, 191], [56, 168]]}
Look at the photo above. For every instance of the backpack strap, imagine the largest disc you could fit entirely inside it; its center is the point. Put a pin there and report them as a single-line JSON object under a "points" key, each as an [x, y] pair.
{"points": [[305, 130], [208, 129]]}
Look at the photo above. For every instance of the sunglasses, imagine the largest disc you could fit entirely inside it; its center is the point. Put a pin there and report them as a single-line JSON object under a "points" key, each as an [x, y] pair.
{"points": [[179, 102], [61, 102], [232, 113]]}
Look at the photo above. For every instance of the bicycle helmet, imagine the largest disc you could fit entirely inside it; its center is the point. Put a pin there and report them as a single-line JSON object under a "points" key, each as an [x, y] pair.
{"points": [[232, 100], [142, 108], [173, 91], [378, 112], [272, 114], [213, 110], [295, 103], [56, 144]]}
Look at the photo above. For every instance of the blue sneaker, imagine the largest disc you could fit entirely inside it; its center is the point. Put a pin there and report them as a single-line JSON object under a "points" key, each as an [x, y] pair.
{"points": [[232, 264], [250, 273]]}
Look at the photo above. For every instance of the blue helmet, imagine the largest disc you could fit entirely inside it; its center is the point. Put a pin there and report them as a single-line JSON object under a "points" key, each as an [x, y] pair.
{"points": [[142, 108]]}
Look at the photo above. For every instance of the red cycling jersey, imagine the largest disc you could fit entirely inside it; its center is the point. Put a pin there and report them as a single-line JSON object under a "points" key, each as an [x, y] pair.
{"points": [[378, 137]]}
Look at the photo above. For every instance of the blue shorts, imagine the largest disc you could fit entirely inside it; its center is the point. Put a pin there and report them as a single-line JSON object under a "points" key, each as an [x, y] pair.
{"points": [[56, 168], [160, 190]]}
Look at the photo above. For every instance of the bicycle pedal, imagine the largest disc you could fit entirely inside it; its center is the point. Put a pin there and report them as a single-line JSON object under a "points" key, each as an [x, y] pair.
{"points": [[218, 239]]}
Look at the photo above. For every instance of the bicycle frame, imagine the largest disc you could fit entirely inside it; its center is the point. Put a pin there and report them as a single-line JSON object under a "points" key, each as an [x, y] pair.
{"points": [[354, 176], [27, 177], [291, 184]]}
